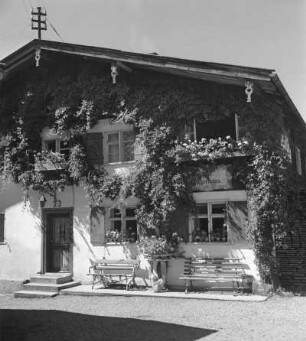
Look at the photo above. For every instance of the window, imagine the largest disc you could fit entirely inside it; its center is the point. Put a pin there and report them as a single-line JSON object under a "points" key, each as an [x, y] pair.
{"points": [[120, 146], [209, 129], [188, 132], [1, 228], [217, 128], [209, 223], [57, 145], [122, 225], [298, 160], [94, 148]]}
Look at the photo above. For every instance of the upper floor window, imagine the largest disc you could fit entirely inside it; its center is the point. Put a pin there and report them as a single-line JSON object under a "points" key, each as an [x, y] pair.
{"points": [[57, 146], [122, 225], [120, 146], [210, 129]]}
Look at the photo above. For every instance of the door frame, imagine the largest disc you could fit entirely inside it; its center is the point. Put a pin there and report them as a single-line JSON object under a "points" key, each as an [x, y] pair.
{"points": [[45, 213]]}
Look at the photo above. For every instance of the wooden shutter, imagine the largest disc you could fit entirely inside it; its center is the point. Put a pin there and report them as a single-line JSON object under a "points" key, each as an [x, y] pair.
{"points": [[97, 226], [237, 219], [94, 148], [1, 227]]}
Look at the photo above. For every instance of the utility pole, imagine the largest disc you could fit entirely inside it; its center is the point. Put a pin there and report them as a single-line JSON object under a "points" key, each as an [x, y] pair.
{"points": [[39, 21]]}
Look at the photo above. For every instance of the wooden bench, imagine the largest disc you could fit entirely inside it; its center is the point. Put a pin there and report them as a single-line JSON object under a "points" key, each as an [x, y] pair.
{"points": [[110, 271], [212, 270]]}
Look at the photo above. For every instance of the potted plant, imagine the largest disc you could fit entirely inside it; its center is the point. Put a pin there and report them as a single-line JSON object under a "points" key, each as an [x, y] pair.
{"points": [[158, 250]]}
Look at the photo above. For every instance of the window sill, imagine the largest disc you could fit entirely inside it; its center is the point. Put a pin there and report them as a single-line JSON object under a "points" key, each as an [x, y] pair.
{"points": [[213, 243], [119, 163], [119, 243]]}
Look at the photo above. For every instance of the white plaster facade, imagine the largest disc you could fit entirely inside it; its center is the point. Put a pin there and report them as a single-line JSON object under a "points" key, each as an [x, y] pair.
{"points": [[23, 253]]}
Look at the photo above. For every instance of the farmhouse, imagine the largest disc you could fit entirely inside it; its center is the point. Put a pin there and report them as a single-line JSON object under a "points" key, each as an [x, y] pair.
{"points": [[102, 149]]}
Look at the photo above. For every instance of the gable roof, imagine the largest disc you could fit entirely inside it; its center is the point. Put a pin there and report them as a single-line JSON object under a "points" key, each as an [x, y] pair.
{"points": [[266, 79]]}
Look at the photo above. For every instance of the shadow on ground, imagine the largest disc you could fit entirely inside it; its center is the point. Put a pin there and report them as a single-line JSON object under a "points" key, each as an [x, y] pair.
{"points": [[59, 325]]}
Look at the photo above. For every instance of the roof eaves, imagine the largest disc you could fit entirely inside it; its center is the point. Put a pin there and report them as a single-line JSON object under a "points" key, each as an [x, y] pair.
{"points": [[160, 62], [156, 61], [278, 84]]}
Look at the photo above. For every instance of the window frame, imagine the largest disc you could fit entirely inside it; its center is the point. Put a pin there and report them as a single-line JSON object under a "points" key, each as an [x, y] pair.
{"points": [[210, 216], [58, 147], [192, 134], [298, 160], [2, 226], [123, 218], [121, 141]]}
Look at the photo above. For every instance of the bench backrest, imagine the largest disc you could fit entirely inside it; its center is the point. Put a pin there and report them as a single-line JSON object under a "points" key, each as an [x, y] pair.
{"points": [[117, 262], [213, 265]]}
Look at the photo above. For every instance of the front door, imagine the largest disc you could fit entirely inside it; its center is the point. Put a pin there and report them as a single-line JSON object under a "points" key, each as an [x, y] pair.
{"points": [[59, 242]]}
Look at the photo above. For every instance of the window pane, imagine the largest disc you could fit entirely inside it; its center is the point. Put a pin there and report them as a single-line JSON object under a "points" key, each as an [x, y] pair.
{"points": [[113, 233], [64, 144], [50, 145], [201, 209], [187, 132], [128, 138], [128, 151], [131, 212], [113, 153], [219, 230], [131, 231], [200, 233], [115, 213], [218, 208], [116, 225], [113, 138], [65, 147], [214, 129]]}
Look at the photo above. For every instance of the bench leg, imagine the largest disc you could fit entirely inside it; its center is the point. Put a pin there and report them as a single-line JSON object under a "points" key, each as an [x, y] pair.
{"points": [[186, 286], [93, 281]]}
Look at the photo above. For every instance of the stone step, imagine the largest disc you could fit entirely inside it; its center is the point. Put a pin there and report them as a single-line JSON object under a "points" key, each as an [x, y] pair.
{"points": [[53, 278], [49, 287], [34, 294]]}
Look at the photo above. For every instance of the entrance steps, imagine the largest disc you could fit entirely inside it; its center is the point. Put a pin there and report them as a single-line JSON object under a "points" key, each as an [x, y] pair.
{"points": [[46, 285]]}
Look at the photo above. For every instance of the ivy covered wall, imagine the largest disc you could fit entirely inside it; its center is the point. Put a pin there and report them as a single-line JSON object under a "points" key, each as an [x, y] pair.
{"points": [[71, 95]]}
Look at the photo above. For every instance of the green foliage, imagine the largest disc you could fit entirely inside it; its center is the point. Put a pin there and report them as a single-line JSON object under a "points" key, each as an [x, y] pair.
{"points": [[18, 158], [271, 199], [77, 164], [212, 149], [162, 180], [160, 247]]}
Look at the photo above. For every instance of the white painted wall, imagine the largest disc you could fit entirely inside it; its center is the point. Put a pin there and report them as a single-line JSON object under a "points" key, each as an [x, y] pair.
{"points": [[20, 257], [21, 254]]}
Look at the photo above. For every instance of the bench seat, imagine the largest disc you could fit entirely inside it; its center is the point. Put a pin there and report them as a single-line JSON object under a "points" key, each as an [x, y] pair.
{"points": [[213, 270], [108, 271]]}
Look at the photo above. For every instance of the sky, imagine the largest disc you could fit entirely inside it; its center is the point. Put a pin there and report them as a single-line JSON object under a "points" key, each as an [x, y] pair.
{"points": [[259, 33]]}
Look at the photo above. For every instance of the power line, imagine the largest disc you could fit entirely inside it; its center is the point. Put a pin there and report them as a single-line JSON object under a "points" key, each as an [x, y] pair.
{"points": [[54, 29]]}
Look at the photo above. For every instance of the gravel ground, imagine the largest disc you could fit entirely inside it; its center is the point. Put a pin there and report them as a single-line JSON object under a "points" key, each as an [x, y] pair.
{"points": [[140, 318]]}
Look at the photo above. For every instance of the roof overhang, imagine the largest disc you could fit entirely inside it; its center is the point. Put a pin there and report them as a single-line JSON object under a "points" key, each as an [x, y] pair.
{"points": [[215, 72], [266, 79]]}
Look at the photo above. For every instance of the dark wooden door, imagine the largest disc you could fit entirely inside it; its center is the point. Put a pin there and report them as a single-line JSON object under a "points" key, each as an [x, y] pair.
{"points": [[59, 243]]}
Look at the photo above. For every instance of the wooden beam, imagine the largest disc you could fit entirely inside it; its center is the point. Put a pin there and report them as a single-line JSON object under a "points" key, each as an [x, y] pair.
{"points": [[125, 67], [160, 65]]}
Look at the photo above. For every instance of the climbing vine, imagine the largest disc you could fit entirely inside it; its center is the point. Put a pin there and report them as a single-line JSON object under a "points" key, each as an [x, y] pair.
{"points": [[164, 178]]}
